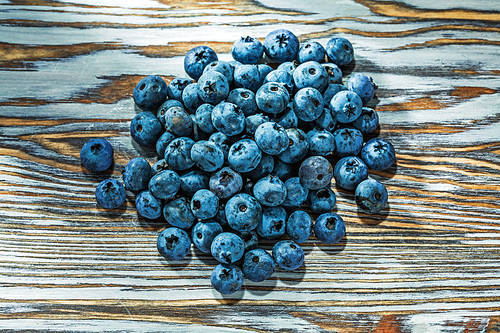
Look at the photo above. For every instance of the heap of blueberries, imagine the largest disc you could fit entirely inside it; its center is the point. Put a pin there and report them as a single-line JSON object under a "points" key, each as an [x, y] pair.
{"points": [[245, 153]]}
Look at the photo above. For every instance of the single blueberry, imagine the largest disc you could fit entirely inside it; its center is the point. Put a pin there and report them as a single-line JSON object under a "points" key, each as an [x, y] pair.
{"points": [[263, 70], [280, 76], [193, 181], [334, 73], [296, 193], [271, 138], [225, 183], [245, 99], [299, 226], [348, 141], [321, 142], [147, 205], [281, 45], [244, 155], [96, 155], [207, 155], [137, 174], [176, 86], [315, 172], [378, 154], [270, 191], [339, 51], [197, 59], [178, 122], [329, 228], [190, 97], [346, 106], [247, 76], [173, 243], [367, 122], [213, 87], [362, 85], [145, 128], [273, 223], [349, 172], [226, 279], [298, 146], [223, 67], [371, 196], [247, 50], [178, 153], [178, 213], [326, 121], [258, 265], [308, 104], [110, 194], [288, 255], [272, 97], [227, 248], [288, 66], [203, 233], [228, 119], [311, 51], [164, 185], [162, 143], [243, 212], [150, 93], [322, 200], [310, 74], [165, 106], [204, 204], [204, 118]]}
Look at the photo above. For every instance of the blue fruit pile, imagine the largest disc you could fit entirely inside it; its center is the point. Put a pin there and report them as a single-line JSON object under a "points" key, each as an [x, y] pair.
{"points": [[246, 152]]}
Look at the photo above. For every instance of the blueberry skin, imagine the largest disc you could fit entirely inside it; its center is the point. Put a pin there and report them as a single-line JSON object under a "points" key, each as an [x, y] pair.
{"points": [[299, 226], [311, 51], [137, 174], [221, 216], [197, 59], [203, 233], [362, 85], [264, 168], [367, 122], [204, 118], [204, 204], [330, 91], [245, 99], [110, 194], [348, 141], [227, 248], [150, 93], [310, 74], [96, 155], [244, 155], [263, 70], [164, 185], [282, 170], [288, 66], [308, 104], [271, 138], [346, 106], [273, 223], [147, 205], [176, 87], [280, 76], [287, 118], [178, 213], [250, 238], [222, 67], [213, 87], [159, 166], [371, 196], [226, 279], [207, 156], [178, 122], [270, 191], [296, 193], [334, 73], [322, 200], [329, 228], [162, 143], [326, 121], [225, 183], [378, 154], [281, 45], [288, 255], [173, 243], [254, 121], [258, 265], [298, 146], [190, 97], [247, 76], [272, 97], [349, 172], [243, 212], [164, 107], [247, 50], [222, 141], [315, 172], [145, 128], [193, 181], [321, 142], [178, 153], [339, 51], [228, 119]]}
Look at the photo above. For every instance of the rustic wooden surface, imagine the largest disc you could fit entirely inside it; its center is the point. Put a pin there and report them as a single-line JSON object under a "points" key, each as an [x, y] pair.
{"points": [[429, 263]]}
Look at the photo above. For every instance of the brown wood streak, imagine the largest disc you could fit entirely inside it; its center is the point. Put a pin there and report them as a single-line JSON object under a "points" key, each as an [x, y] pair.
{"points": [[446, 41]]}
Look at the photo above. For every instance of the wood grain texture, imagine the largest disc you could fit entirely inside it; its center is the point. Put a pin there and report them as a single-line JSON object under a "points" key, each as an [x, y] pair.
{"points": [[429, 263]]}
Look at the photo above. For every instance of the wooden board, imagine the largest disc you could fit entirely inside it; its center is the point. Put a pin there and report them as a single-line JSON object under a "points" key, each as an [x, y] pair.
{"points": [[429, 263]]}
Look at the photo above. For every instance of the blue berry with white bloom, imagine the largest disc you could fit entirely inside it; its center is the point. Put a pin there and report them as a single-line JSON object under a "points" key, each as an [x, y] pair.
{"points": [[190, 97], [272, 97], [299, 226], [228, 119], [96, 155], [315, 172], [150, 93], [145, 128], [197, 59], [147, 205], [227, 248], [162, 143], [348, 141], [176, 87], [253, 121], [339, 51], [203, 233], [322, 200], [243, 212], [298, 146], [258, 265], [207, 156], [204, 118], [178, 153], [247, 50], [173, 243], [310, 74], [271, 138], [273, 223], [367, 122], [288, 255], [137, 174], [225, 183], [349, 172], [245, 99], [164, 185], [178, 122], [244, 155], [362, 85], [329, 228], [247, 76], [226, 279], [378, 154], [311, 51], [331, 90], [110, 194], [204, 204], [308, 104], [270, 191], [213, 87], [282, 77], [193, 181], [178, 213], [371, 196], [281, 45], [296, 193], [334, 73], [346, 106], [321, 142], [223, 67]]}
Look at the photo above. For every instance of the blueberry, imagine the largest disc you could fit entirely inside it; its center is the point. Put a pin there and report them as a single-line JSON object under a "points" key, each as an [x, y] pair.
{"points": [[254, 121], [176, 87], [247, 50], [367, 122], [243, 212], [281, 45], [178, 153], [321, 142], [311, 51], [349, 172], [287, 118], [162, 143], [203, 233], [247, 76], [228, 119], [329, 228], [147, 205], [282, 170], [288, 66], [178, 213], [264, 168], [198, 134], [178, 122], [213, 87], [299, 226], [310, 74], [159, 166], [334, 73], [204, 204], [296, 193], [207, 155], [339, 51], [110, 194], [315, 172], [227, 248], [272, 97], [346, 106], [164, 107], [270, 191], [245, 99], [263, 71], [282, 77], [222, 141], [298, 145], [190, 97], [226, 279], [96, 155], [222, 67], [362, 85], [258, 265], [193, 181], [250, 238], [348, 141], [173, 243], [164, 185], [145, 129], [150, 93], [271, 138], [308, 104], [225, 183], [322, 200], [326, 121], [244, 155], [371, 196], [273, 223], [197, 59], [288, 255], [204, 118], [137, 174], [378, 154], [330, 91]]}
